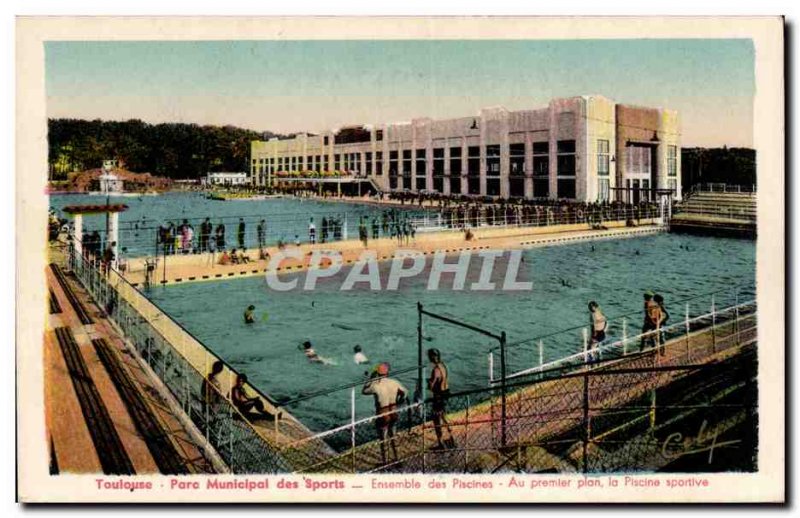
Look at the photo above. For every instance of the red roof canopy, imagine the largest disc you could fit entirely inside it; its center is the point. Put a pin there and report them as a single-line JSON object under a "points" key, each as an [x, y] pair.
{"points": [[94, 209]]}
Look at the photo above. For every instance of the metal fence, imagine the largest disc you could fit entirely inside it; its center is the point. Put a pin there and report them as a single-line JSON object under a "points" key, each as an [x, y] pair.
{"points": [[583, 416], [182, 362], [523, 216], [141, 238], [623, 334], [724, 187]]}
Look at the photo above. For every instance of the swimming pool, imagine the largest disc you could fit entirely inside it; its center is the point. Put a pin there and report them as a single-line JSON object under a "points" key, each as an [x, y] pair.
{"points": [[565, 278]]}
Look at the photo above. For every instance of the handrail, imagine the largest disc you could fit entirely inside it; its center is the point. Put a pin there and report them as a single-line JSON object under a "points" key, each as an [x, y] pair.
{"points": [[735, 288], [607, 347], [364, 420]]}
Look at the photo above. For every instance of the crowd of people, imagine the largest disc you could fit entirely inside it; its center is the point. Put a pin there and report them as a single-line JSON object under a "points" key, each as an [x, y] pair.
{"points": [[473, 214]]}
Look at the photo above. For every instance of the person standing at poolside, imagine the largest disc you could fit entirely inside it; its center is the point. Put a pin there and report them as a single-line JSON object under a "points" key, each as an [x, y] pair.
{"points": [[652, 321], [221, 236], [312, 232], [438, 384], [205, 234], [375, 228], [261, 232], [240, 234], [388, 394], [598, 326]]}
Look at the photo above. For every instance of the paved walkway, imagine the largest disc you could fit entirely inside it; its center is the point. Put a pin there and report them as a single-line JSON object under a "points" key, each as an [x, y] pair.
{"points": [[206, 267], [71, 413]]}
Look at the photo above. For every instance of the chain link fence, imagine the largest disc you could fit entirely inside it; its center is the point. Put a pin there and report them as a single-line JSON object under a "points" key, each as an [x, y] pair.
{"points": [[610, 415], [246, 444]]}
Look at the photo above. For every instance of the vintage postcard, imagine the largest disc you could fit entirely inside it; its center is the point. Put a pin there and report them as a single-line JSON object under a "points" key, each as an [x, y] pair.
{"points": [[400, 259]]}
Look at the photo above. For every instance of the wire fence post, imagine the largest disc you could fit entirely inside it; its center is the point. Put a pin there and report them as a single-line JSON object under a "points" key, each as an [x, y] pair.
{"points": [[466, 437], [585, 333], [688, 347], [206, 392], [419, 349], [230, 418], [277, 421], [353, 427], [541, 358], [736, 318], [713, 325], [422, 431], [624, 336], [491, 368], [503, 387], [653, 409], [585, 427]]}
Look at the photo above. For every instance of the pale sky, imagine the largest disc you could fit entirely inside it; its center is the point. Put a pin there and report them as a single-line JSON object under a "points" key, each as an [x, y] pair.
{"points": [[292, 86]]}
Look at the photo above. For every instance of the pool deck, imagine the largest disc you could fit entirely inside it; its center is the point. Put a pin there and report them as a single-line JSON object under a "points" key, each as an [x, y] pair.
{"points": [[182, 269]]}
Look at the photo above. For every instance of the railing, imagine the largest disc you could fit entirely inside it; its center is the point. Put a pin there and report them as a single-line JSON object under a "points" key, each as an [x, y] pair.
{"points": [[546, 410], [623, 336], [616, 415], [720, 212], [519, 217], [724, 188], [141, 238], [182, 363]]}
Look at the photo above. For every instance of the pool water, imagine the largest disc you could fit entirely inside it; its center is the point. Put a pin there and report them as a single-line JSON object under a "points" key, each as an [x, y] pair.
{"points": [[285, 217], [565, 278]]}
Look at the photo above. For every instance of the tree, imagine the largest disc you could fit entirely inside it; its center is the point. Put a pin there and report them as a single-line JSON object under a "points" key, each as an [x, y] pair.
{"points": [[174, 150]]}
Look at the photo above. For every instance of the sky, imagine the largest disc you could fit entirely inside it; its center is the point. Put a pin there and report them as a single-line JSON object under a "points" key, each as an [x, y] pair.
{"points": [[294, 86]]}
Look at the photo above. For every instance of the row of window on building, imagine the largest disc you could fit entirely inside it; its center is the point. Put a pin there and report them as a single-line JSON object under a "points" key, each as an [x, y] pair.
{"points": [[402, 166]]}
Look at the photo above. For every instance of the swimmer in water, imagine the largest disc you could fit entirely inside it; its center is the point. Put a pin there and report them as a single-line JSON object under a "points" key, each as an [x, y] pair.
{"points": [[312, 355], [358, 356], [249, 314]]}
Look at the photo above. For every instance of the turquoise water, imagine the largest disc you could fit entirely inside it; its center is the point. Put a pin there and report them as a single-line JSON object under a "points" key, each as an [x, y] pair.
{"points": [[285, 217], [565, 278]]}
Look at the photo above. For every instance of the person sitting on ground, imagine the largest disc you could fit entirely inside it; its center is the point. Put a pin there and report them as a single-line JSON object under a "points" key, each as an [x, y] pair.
{"points": [[250, 314], [389, 394], [246, 404], [358, 356], [234, 257], [243, 259], [225, 258]]}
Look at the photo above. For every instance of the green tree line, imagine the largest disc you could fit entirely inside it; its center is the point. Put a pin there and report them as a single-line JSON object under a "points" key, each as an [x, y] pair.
{"points": [[172, 150], [734, 166]]}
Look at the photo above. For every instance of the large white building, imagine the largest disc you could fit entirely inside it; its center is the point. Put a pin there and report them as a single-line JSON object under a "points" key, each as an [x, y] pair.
{"points": [[586, 148]]}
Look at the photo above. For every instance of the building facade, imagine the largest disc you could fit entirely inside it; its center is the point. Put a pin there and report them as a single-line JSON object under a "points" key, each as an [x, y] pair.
{"points": [[586, 148], [226, 179]]}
